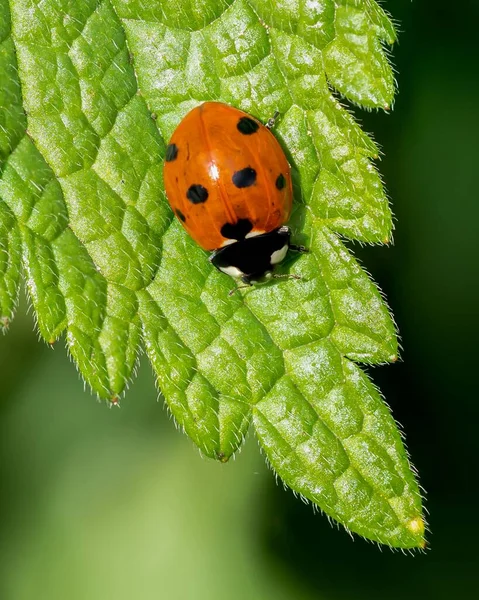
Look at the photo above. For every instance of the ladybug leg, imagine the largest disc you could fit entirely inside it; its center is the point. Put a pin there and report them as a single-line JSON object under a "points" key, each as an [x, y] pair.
{"points": [[301, 249], [239, 287], [272, 121]]}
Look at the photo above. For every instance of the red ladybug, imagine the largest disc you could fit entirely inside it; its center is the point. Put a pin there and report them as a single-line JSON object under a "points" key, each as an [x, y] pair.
{"points": [[229, 183]]}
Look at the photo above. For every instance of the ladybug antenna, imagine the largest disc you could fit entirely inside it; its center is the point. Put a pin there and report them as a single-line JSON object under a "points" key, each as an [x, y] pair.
{"points": [[301, 249], [286, 276]]}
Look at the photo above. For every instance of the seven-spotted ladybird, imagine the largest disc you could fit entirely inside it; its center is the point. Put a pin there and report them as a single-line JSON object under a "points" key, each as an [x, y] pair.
{"points": [[229, 183]]}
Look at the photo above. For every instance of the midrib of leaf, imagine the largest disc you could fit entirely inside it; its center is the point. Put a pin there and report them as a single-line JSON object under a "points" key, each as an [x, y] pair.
{"points": [[215, 357]]}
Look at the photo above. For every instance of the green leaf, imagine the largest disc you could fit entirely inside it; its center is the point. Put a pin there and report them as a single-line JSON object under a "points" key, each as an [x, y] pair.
{"points": [[92, 93]]}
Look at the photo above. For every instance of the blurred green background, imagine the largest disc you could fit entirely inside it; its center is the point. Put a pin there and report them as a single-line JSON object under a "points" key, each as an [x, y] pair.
{"points": [[99, 503]]}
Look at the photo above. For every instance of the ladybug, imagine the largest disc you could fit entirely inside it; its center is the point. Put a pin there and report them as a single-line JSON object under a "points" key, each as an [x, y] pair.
{"points": [[229, 183]]}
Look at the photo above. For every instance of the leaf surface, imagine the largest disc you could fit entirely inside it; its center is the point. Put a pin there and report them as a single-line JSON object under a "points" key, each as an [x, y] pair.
{"points": [[93, 92]]}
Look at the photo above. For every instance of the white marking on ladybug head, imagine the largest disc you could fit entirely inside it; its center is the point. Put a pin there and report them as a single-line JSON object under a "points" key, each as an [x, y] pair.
{"points": [[278, 255], [227, 243], [232, 272], [254, 233]]}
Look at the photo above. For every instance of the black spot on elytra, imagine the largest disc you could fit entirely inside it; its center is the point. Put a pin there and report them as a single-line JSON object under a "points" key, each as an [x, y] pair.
{"points": [[244, 178], [247, 126], [197, 194], [180, 215], [280, 181], [171, 152], [238, 230]]}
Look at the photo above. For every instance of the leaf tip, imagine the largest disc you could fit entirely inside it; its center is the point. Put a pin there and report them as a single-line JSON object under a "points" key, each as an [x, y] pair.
{"points": [[222, 457], [417, 527], [115, 401]]}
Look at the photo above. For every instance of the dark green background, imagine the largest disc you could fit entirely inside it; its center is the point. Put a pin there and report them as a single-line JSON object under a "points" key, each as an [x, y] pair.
{"points": [[99, 503]]}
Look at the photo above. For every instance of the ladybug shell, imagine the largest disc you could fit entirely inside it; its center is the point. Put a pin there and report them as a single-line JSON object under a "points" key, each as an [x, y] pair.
{"points": [[226, 176]]}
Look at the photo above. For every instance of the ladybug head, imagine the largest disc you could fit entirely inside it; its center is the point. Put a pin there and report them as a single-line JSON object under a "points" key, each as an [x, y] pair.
{"points": [[253, 258]]}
